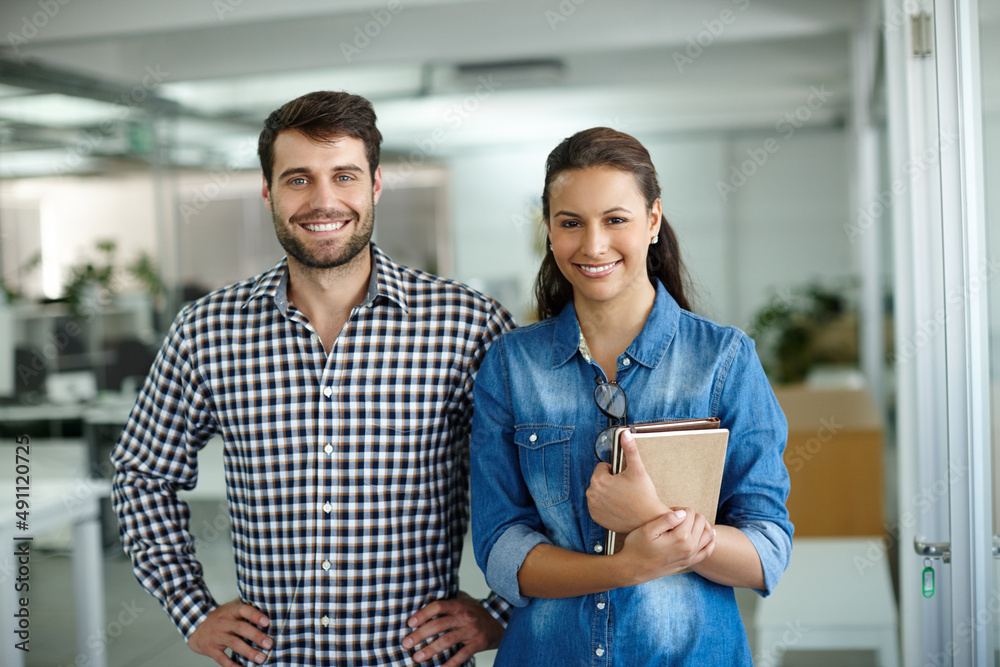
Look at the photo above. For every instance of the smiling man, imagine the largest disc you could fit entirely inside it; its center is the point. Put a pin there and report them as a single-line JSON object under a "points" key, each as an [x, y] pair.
{"points": [[341, 385]]}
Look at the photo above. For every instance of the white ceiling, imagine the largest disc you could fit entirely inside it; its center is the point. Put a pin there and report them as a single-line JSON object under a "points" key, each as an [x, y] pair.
{"points": [[646, 66]]}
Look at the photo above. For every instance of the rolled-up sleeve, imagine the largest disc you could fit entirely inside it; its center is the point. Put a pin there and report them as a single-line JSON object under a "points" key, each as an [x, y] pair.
{"points": [[755, 485], [505, 521]]}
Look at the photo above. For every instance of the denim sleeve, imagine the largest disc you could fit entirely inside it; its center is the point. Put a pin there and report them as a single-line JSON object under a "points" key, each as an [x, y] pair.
{"points": [[505, 522], [755, 483]]}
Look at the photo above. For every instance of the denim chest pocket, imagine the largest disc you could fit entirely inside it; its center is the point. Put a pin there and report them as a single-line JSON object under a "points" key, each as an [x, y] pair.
{"points": [[544, 452]]}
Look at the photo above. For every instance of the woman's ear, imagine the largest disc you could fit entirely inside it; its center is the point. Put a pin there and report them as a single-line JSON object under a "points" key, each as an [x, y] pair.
{"points": [[655, 217]]}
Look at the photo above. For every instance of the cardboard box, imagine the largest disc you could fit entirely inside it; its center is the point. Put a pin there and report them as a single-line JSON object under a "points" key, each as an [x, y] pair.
{"points": [[835, 461]]}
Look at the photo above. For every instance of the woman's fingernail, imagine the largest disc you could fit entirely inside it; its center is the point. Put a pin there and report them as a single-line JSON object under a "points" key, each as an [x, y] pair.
{"points": [[680, 514]]}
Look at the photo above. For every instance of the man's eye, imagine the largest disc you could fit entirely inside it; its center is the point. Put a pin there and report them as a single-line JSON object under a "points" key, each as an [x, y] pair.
{"points": [[345, 177], [298, 181]]}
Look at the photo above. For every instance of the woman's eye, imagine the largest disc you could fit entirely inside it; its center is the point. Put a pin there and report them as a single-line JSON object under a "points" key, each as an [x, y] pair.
{"points": [[569, 223], [616, 221]]}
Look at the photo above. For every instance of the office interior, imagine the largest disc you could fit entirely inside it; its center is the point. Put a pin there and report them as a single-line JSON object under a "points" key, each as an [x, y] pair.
{"points": [[830, 169]]}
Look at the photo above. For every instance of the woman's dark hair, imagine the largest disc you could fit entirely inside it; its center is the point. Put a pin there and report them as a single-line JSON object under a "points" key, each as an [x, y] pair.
{"points": [[322, 116], [604, 147]]}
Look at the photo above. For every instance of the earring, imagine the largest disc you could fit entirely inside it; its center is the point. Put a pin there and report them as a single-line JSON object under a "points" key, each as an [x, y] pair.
{"points": [[550, 246], [656, 239]]}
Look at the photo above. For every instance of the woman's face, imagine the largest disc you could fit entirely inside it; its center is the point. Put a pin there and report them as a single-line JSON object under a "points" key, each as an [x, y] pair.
{"points": [[600, 230]]}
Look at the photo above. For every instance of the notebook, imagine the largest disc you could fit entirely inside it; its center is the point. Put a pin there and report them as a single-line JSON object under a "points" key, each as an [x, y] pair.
{"points": [[685, 459]]}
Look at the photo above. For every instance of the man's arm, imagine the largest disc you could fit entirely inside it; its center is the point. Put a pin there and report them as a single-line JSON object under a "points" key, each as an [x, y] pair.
{"points": [[156, 455]]}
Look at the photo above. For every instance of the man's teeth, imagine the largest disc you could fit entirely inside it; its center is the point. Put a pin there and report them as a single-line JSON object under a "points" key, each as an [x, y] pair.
{"points": [[597, 269], [328, 227]]}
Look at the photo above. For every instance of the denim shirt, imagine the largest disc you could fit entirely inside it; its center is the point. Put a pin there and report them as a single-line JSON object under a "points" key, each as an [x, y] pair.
{"points": [[532, 452]]}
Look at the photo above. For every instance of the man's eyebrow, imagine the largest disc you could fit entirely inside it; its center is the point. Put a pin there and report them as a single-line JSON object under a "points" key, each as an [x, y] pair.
{"points": [[291, 171]]}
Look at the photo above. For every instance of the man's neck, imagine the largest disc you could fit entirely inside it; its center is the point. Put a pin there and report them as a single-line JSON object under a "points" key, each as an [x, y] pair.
{"points": [[327, 296]]}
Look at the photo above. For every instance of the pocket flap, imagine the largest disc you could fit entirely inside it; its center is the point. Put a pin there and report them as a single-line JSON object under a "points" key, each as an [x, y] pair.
{"points": [[533, 437]]}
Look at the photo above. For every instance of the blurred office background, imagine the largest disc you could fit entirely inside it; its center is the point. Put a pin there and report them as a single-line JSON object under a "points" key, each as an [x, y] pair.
{"points": [[129, 185]]}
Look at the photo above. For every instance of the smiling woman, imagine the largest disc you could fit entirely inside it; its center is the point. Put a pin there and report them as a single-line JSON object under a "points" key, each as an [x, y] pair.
{"points": [[612, 288]]}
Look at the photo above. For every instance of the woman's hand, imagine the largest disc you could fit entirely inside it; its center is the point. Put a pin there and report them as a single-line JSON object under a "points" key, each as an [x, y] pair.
{"points": [[625, 501], [667, 545]]}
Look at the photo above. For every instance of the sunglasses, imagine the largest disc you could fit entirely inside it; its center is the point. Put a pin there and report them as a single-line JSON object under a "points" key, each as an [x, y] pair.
{"points": [[610, 399]]}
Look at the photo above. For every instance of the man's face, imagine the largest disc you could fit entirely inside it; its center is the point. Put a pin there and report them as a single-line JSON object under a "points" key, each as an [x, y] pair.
{"points": [[322, 199]]}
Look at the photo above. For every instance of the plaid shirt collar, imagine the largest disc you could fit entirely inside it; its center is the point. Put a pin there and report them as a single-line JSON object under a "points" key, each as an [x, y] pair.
{"points": [[385, 281]]}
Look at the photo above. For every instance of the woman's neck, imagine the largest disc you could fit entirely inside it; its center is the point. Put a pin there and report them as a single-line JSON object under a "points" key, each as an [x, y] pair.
{"points": [[609, 327]]}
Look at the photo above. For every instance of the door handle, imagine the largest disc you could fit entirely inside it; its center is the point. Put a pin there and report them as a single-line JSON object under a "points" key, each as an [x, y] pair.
{"points": [[940, 550]]}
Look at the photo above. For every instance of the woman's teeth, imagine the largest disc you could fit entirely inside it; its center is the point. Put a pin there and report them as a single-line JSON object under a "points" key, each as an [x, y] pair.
{"points": [[597, 269]]}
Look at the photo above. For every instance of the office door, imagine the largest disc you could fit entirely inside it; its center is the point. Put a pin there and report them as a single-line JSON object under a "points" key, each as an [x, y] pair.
{"points": [[947, 260]]}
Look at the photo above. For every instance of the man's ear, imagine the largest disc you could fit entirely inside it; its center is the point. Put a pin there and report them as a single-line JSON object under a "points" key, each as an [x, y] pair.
{"points": [[265, 192], [377, 184]]}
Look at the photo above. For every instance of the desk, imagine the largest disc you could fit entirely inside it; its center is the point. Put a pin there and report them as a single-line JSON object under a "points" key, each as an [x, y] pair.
{"points": [[74, 503], [835, 595]]}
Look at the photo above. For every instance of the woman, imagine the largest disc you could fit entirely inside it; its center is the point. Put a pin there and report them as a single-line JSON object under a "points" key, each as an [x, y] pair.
{"points": [[611, 295]]}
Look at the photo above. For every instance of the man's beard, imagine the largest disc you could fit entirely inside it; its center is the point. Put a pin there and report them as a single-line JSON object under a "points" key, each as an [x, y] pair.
{"points": [[352, 245]]}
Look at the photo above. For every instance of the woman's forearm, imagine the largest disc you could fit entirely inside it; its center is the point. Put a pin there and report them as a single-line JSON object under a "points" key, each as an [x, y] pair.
{"points": [[553, 572], [666, 545], [734, 561]]}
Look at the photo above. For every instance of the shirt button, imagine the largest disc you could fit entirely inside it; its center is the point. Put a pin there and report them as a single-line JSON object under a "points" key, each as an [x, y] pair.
{"points": [[601, 605], [327, 508], [599, 651], [314, 338], [326, 565], [370, 304], [532, 437], [325, 621], [626, 362], [328, 391], [328, 449], [598, 548]]}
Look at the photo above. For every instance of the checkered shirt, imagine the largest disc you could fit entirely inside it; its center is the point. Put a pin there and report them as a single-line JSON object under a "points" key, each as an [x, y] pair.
{"points": [[347, 473]]}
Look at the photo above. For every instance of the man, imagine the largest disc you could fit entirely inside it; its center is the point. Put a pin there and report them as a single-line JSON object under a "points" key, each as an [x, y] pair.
{"points": [[341, 384]]}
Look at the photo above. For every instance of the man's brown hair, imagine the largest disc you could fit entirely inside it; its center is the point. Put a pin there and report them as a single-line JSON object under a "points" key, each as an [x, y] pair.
{"points": [[322, 116]]}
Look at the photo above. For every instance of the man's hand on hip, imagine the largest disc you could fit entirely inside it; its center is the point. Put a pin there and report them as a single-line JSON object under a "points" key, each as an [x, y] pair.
{"points": [[230, 626], [462, 620]]}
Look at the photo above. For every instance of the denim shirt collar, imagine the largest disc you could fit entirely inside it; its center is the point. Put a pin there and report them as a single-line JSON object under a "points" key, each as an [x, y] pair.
{"points": [[647, 348]]}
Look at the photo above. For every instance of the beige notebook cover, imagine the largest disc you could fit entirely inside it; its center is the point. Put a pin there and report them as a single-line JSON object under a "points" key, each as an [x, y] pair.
{"points": [[685, 460]]}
